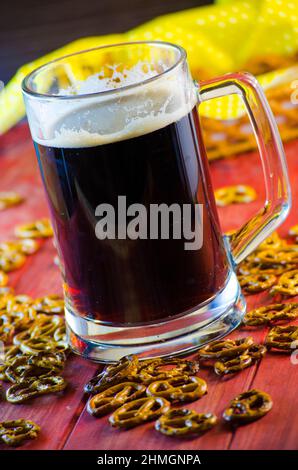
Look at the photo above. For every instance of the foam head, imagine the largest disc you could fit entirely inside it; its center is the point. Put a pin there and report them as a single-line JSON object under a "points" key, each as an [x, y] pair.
{"points": [[117, 102]]}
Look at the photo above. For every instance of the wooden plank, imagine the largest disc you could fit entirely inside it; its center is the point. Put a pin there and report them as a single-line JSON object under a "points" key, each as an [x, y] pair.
{"points": [[56, 414]]}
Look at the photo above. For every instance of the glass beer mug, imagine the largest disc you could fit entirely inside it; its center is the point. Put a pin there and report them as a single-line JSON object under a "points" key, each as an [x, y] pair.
{"points": [[145, 267]]}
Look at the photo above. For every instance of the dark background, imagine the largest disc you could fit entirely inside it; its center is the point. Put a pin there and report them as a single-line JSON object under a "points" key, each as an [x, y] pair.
{"points": [[31, 28]]}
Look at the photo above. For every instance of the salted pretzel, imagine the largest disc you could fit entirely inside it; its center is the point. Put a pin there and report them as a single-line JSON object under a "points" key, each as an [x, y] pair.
{"points": [[254, 267], [257, 351], [3, 279], [11, 353], [139, 411], [178, 389], [50, 304], [273, 242], [287, 284], [9, 199], [21, 369], [231, 366], [225, 348], [183, 422], [10, 261], [125, 370], [284, 255], [23, 366], [32, 388], [42, 344], [114, 397], [26, 246], [15, 432], [282, 338], [39, 229], [248, 407], [271, 314], [5, 295], [45, 325], [51, 360], [234, 195], [255, 283], [7, 329], [158, 369]]}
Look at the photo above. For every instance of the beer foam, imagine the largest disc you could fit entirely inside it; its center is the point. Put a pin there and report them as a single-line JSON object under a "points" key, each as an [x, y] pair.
{"points": [[98, 83], [127, 113]]}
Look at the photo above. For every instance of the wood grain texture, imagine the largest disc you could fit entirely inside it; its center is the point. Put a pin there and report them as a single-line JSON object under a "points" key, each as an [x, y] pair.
{"points": [[63, 418]]}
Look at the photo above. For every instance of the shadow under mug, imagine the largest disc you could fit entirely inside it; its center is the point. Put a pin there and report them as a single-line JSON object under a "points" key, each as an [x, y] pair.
{"points": [[145, 267]]}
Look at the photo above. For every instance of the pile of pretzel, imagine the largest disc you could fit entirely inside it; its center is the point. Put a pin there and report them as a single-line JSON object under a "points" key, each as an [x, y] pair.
{"points": [[35, 346], [273, 267], [32, 331], [136, 392]]}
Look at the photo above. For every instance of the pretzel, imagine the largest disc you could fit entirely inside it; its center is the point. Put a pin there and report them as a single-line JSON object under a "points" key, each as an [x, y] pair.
{"points": [[225, 138], [60, 335], [40, 345], [14, 433], [255, 283], [18, 300], [11, 353], [9, 199], [234, 195], [51, 360], [7, 329], [154, 369], [45, 325], [184, 422], [39, 229], [273, 242], [114, 397], [5, 296], [225, 348], [32, 388], [271, 314], [231, 366], [139, 411], [257, 351], [248, 407], [282, 337], [27, 246], [125, 370], [20, 312], [287, 284], [21, 369], [287, 254], [178, 389], [9, 261], [49, 305], [253, 267], [3, 279]]}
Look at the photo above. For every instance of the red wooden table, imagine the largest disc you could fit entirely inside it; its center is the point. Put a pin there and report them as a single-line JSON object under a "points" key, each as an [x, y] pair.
{"points": [[64, 422]]}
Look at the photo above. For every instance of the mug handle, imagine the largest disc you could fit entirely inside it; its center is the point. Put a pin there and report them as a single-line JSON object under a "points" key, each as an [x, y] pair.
{"points": [[278, 191]]}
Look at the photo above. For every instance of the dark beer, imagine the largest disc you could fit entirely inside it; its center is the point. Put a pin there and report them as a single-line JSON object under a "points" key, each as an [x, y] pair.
{"points": [[129, 282]]}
